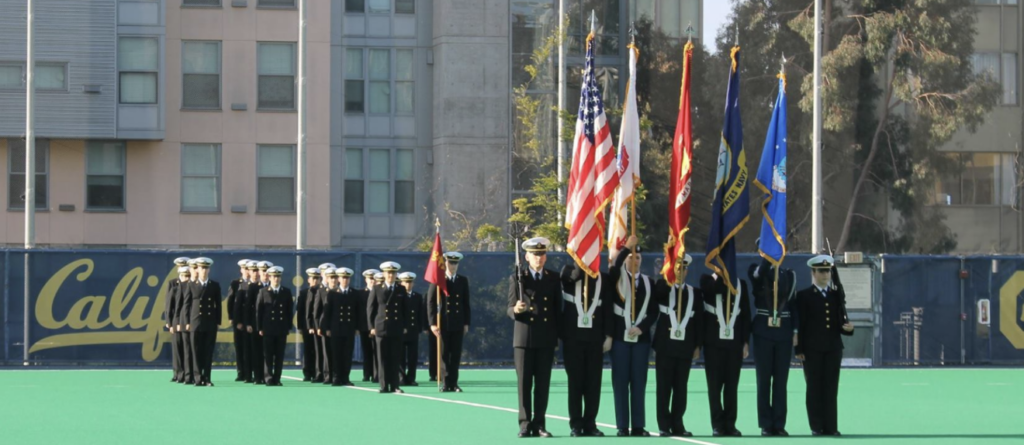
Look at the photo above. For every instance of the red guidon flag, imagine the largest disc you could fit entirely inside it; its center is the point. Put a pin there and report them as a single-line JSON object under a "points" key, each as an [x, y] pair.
{"points": [[679, 189], [435, 268]]}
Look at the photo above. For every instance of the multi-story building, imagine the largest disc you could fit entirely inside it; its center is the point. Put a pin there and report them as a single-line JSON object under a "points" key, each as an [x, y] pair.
{"points": [[982, 204], [173, 123]]}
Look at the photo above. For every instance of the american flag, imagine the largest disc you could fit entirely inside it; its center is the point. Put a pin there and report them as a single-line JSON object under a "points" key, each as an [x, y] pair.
{"points": [[594, 174]]}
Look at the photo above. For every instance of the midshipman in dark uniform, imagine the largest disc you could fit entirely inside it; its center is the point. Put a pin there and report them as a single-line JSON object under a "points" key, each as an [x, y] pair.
{"points": [[534, 303], [726, 333], [774, 327], [203, 303], [416, 322], [274, 321], [252, 295], [677, 342], [586, 331], [386, 311], [455, 316], [823, 320], [172, 297], [307, 327], [342, 318], [236, 313]]}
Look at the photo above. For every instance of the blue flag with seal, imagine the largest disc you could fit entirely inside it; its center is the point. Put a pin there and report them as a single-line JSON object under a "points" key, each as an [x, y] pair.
{"points": [[771, 180], [731, 207]]}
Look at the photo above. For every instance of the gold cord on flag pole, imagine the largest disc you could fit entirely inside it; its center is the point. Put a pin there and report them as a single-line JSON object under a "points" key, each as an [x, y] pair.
{"points": [[632, 281], [586, 292], [773, 321]]}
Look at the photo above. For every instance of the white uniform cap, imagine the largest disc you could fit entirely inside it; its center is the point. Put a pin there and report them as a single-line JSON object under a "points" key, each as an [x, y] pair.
{"points": [[687, 259], [538, 244], [453, 257], [344, 272], [252, 265], [183, 269], [329, 272], [204, 261], [182, 260], [327, 265], [406, 276], [275, 270], [242, 263], [313, 272], [264, 265], [821, 262], [379, 276], [369, 273], [390, 266]]}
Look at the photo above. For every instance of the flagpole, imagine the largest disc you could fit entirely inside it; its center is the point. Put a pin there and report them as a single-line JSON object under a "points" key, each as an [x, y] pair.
{"points": [[561, 103], [437, 290], [816, 223]]}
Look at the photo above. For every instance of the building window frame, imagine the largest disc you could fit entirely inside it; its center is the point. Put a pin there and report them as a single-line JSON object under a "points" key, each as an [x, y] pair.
{"points": [[1002, 195], [123, 176], [260, 4], [998, 73], [354, 78], [259, 77], [42, 146], [259, 176], [20, 66], [153, 72], [219, 73], [216, 175], [396, 181], [185, 5]]}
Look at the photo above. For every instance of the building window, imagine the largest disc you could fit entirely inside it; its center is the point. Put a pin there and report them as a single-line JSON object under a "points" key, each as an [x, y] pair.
{"points": [[995, 2], [403, 82], [379, 6], [405, 6], [404, 182], [607, 26], [11, 75], [104, 175], [670, 16], [200, 178], [200, 2], [16, 173], [200, 68], [1001, 68], [275, 183], [275, 3], [978, 179], [358, 6], [380, 81], [354, 99], [51, 76], [385, 185], [276, 62], [354, 186], [138, 65]]}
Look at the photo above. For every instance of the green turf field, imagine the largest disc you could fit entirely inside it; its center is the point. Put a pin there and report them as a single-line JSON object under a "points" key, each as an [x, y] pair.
{"points": [[896, 406]]}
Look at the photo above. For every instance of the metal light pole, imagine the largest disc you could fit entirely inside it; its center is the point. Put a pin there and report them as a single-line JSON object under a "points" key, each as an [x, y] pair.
{"points": [[816, 224]]}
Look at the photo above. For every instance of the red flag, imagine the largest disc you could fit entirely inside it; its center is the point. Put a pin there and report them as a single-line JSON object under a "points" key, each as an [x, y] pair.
{"points": [[679, 189], [435, 268]]}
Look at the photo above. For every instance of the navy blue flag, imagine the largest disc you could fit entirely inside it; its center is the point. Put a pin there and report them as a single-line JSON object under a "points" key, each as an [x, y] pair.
{"points": [[730, 210], [771, 180]]}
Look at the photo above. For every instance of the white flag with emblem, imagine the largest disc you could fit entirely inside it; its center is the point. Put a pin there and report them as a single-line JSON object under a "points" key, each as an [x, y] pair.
{"points": [[628, 161]]}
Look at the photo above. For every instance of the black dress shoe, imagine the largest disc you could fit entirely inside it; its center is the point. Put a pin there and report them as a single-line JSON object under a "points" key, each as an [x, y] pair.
{"points": [[781, 432], [457, 389], [836, 433], [622, 433], [199, 383], [336, 384], [174, 380], [576, 432], [382, 391], [307, 379], [664, 433], [767, 432], [594, 432], [398, 391], [317, 380], [640, 432], [544, 433], [248, 380], [817, 433], [718, 433], [239, 379], [347, 383], [735, 433], [446, 389], [433, 379], [525, 432], [682, 433], [208, 384], [190, 382], [328, 382], [375, 380]]}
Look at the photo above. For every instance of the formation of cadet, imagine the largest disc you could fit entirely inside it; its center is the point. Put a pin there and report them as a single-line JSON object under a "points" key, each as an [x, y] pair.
{"points": [[618, 312], [330, 314], [623, 313]]}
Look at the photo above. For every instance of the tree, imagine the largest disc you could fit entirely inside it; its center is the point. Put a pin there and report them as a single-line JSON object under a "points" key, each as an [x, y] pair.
{"points": [[919, 53]]}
